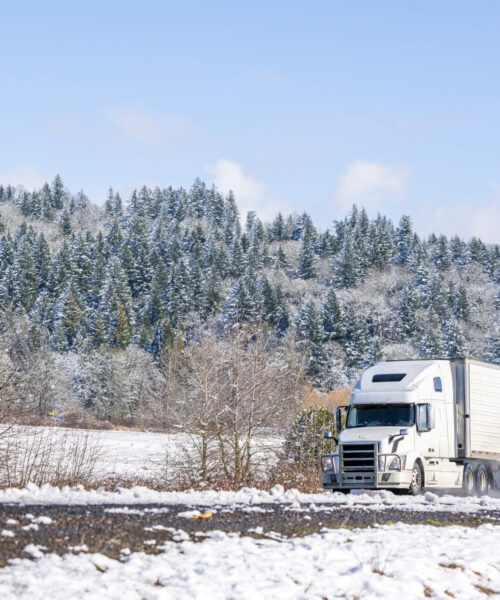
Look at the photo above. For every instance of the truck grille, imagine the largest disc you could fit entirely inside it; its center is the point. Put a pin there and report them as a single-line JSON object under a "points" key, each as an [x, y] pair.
{"points": [[357, 462]]}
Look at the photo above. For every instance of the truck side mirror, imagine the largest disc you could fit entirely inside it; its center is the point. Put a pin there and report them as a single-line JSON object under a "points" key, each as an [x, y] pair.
{"points": [[328, 435], [338, 418]]}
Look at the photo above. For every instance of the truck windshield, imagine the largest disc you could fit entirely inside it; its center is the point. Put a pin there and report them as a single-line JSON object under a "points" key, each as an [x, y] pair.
{"points": [[381, 415]]}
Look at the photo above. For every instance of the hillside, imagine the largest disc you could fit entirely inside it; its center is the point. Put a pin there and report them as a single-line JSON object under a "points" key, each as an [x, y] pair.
{"points": [[95, 300]]}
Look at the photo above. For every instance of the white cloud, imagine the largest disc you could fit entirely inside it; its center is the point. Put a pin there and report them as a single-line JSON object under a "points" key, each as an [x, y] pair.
{"points": [[466, 219], [29, 176], [250, 193], [370, 184], [132, 124]]}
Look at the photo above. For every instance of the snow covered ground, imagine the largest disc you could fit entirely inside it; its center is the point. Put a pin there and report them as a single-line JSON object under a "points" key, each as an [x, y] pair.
{"points": [[133, 453], [387, 561], [395, 561], [362, 499], [129, 454]]}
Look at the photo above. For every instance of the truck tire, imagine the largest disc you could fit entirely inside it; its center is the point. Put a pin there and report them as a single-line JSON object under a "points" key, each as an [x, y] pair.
{"points": [[469, 480], [417, 480], [482, 481]]}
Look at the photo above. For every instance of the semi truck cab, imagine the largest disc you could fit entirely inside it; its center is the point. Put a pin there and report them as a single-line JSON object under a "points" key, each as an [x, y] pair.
{"points": [[408, 425]]}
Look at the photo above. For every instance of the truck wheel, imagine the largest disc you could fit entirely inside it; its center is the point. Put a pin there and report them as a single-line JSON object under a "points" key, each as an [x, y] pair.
{"points": [[416, 484], [482, 481], [468, 482]]}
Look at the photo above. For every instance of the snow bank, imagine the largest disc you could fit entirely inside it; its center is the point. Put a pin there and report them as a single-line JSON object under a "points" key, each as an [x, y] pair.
{"points": [[397, 561], [377, 500]]}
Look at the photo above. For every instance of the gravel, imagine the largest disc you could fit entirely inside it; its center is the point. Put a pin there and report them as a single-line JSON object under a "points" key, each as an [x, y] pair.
{"points": [[118, 530]]}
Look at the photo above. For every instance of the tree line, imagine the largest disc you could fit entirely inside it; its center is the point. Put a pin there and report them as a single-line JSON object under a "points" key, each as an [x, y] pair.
{"points": [[170, 265]]}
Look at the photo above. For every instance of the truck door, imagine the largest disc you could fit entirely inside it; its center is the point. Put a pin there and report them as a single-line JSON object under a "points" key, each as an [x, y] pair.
{"points": [[427, 432]]}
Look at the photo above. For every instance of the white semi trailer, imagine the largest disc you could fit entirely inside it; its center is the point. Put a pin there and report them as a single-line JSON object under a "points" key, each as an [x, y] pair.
{"points": [[420, 423]]}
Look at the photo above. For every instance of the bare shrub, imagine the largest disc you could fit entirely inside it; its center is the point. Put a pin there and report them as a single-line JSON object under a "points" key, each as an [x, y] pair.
{"points": [[314, 397], [307, 480], [230, 391], [48, 455]]}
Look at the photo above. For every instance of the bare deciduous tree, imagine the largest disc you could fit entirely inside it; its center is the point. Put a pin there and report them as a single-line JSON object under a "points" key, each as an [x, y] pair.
{"points": [[232, 390]]}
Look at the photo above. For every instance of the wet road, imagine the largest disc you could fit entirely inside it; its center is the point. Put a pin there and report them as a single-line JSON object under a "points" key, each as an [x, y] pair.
{"points": [[118, 530]]}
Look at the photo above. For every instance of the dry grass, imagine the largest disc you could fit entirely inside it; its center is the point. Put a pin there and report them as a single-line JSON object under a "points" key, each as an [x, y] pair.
{"points": [[58, 457], [485, 590], [451, 566], [290, 477], [314, 397]]}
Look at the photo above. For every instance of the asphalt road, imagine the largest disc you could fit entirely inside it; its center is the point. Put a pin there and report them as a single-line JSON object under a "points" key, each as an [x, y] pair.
{"points": [[111, 529]]}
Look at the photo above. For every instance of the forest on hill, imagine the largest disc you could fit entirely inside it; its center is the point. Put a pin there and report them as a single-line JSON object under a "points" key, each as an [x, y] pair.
{"points": [[103, 309]]}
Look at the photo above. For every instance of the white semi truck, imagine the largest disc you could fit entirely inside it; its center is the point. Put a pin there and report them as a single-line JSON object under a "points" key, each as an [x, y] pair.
{"points": [[419, 423]]}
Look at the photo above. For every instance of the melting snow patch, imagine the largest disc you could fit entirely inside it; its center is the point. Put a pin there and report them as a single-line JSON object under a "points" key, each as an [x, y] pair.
{"points": [[34, 550], [7, 533], [124, 511], [81, 548], [189, 514], [430, 497], [43, 520]]}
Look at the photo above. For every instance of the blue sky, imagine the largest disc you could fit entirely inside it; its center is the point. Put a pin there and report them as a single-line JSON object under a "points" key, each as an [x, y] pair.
{"points": [[392, 105]]}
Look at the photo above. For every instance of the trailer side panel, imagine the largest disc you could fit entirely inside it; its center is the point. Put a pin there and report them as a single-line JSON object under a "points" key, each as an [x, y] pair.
{"points": [[484, 408]]}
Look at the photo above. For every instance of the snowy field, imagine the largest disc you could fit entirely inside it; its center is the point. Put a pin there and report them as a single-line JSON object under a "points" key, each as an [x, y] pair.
{"points": [[129, 454], [396, 561]]}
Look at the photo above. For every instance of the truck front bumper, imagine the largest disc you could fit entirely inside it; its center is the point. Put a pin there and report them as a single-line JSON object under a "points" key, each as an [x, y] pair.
{"points": [[378, 480]]}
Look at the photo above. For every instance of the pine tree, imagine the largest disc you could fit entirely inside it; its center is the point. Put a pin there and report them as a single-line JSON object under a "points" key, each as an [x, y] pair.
{"points": [[97, 329], [278, 228], [461, 304], [109, 204], [347, 266], [409, 304], [307, 259], [492, 348], [243, 304], [454, 343], [308, 324], [382, 242], [331, 316], [280, 261], [356, 341], [405, 240], [478, 252], [65, 223], [459, 252], [121, 333], [441, 255], [57, 193]]}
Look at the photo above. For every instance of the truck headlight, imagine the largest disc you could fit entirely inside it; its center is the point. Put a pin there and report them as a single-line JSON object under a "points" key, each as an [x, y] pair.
{"points": [[328, 463], [397, 463]]}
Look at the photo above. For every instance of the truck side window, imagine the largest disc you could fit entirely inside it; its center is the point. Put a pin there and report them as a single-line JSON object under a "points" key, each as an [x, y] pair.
{"points": [[438, 386]]}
